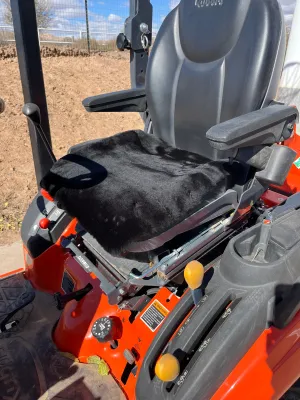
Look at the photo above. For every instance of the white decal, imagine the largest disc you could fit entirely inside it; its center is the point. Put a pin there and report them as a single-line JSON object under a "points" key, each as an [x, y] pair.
{"points": [[208, 3]]}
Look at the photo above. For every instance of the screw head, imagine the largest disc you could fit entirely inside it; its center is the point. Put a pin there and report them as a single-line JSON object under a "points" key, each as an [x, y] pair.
{"points": [[122, 291], [144, 28], [119, 299]]}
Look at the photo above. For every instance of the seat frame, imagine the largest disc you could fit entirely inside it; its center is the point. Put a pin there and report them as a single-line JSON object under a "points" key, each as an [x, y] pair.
{"points": [[164, 272]]}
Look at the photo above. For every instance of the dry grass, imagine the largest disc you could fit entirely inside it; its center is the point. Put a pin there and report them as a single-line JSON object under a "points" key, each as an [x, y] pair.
{"points": [[96, 45]]}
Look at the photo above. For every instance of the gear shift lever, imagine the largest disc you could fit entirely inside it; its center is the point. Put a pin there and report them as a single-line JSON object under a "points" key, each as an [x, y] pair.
{"points": [[32, 112], [167, 368], [194, 274]]}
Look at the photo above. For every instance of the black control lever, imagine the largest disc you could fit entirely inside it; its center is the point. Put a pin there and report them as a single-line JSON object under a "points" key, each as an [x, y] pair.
{"points": [[62, 299], [32, 112], [261, 248]]}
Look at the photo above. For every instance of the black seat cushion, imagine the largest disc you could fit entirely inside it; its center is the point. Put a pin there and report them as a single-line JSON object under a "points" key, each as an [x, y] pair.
{"points": [[132, 187]]}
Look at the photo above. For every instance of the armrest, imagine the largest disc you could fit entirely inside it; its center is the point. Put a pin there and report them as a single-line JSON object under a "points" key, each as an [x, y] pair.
{"points": [[263, 127], [124, 101]]}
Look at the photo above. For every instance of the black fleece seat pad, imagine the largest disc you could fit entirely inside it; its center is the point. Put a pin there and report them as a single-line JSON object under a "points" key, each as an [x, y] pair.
{"points": [[132, 187]]}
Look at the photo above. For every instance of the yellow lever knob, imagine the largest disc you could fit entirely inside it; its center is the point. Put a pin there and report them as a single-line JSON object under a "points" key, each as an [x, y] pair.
{"points": [[194, 274], [167, 368]]}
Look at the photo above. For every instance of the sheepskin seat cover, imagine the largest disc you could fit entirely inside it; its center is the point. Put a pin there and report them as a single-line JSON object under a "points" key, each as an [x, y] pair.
{"points": [[132, 187]]}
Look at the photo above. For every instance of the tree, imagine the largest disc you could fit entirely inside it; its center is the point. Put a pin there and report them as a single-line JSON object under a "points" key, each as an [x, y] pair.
{"points": [[44, 12]]}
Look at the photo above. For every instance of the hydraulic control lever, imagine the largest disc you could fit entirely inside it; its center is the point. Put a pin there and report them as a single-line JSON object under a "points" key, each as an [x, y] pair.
{"points": [[62, 300], [194, 275], [167, 368], [32, 112]]}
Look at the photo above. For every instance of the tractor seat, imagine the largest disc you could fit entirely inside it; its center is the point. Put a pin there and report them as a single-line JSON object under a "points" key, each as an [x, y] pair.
{"points": [[133, 187], [209, 149]]}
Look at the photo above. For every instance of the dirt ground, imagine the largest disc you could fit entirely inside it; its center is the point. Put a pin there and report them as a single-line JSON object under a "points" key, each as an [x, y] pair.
{"points": [[68, 81]]}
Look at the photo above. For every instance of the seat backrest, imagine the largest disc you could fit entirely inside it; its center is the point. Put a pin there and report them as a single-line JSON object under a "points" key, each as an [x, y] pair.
{"points": [[211, 61]]}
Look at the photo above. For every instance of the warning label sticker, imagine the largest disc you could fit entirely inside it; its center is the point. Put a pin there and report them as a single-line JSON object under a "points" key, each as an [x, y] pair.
{"points": [[154, 315], [297, 163]]}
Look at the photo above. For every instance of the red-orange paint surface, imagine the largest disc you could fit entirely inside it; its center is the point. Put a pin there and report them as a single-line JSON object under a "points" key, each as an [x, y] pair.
{"points": [[73, 331], [292, 183], [46, 271], [272, 198], [11, 273], [266, 371]]}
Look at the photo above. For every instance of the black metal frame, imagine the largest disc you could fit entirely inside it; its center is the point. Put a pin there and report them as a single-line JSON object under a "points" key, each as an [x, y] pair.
{"points": [[141, 11], [30, 65]]}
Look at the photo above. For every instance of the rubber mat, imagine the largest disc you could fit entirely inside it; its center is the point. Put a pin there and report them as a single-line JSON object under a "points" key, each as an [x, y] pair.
{"points": [[30, 366], [15, 294], [293, 393]]}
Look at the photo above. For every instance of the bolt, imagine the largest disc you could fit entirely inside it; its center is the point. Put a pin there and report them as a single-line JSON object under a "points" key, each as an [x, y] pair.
{"points": [[162, 277], [144, 28], [119, 299], [122, 291]]}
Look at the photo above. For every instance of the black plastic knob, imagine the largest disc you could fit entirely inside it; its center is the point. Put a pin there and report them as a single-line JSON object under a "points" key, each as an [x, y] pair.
{"points": [[2, 105], [32, 112], [122, 42], [105, 329]]}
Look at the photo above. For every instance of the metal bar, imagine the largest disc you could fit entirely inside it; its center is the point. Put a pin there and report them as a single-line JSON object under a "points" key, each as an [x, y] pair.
{"points": [[87, 26], [140, 12], [55, 42], [58, 30], [30, 66]]}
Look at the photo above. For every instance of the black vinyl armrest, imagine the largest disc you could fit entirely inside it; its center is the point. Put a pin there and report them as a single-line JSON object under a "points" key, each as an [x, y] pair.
{"points": [[263, 127], [131, 100]]}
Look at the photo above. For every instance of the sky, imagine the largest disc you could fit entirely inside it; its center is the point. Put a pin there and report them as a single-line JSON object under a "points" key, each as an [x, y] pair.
{"points": [[106, 17], [288, 7]]}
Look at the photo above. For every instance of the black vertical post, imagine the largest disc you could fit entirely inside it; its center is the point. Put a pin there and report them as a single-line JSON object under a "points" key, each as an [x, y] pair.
{"points": [[141, 11], [132, 8], [87, 26], [30, 65]]}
